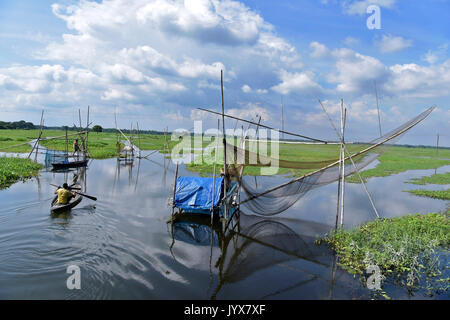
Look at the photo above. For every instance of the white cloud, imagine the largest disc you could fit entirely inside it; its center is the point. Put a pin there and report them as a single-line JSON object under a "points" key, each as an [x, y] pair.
{"points": [[174, 116], [246, 88], [356, 72], [297, 82], [390, 43], [413, 80], [360, 6], [430, 57], [141, 48], [251, 111], [318, 50], [433, 56], [351, 41], [114, 94]]}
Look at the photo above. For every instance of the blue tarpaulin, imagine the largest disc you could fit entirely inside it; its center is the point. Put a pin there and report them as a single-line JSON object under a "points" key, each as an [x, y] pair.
{"points": [[195, 193]]}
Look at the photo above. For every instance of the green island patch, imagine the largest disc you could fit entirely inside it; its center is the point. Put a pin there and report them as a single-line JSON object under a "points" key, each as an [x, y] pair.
{"points": [[435, 194]]}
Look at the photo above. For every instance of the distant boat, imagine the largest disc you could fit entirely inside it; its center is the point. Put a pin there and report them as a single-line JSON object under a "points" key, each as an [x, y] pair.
{"points": [[58, 208], [70, 164]]}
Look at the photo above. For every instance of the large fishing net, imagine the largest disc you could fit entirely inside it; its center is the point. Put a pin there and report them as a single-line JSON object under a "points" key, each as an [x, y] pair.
{"points": [[277, 199]]}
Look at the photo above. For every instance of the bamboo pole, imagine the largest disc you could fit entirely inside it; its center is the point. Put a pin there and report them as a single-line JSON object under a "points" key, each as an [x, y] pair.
{"points": [[214, 174], [282, 118], [378, 108], [87, 133], [139, 138], [343, 163], [67, 147], [225, 169], [437, 144], [82, 140], [264, 126], [174, 190], [39, 135], [353, 163]]}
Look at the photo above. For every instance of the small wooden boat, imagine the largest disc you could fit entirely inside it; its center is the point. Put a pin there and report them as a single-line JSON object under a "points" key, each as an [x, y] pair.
{"points": [[57, 208], [70, 164]]}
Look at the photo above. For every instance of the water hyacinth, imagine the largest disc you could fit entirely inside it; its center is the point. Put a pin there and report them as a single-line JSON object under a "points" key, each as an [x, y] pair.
{"points": [[15, 169], [410, 251]]}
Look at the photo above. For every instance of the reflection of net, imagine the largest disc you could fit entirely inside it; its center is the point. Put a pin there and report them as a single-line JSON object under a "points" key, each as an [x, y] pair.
{"points": [[278, 199], [264, 242], [193, 233]]}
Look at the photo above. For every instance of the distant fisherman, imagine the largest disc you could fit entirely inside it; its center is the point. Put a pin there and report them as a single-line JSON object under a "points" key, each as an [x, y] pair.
{"points": [[64, 194], [76, 147]]}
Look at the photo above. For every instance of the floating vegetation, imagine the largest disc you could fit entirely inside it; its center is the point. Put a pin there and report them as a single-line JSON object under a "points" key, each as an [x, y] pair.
{"points": [[16, 169], [410, 251], [441, 178], [435, 194]]}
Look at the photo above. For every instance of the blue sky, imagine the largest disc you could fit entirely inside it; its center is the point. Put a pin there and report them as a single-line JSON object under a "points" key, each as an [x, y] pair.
{"points": [[155, 61]]}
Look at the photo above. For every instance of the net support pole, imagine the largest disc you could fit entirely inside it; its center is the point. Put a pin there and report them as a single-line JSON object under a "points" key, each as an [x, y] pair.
{"points": [[343, 163], [225, 169], [174, 189], [39, 135], [353, 163], [437, 144], [214, 173]]}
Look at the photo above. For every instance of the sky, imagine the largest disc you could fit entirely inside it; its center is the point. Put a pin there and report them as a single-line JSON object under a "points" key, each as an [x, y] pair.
{"points": [[153, 62]]}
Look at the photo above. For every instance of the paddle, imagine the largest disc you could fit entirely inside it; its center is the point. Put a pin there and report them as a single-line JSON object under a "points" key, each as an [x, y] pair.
{"points": [[77, 192]]}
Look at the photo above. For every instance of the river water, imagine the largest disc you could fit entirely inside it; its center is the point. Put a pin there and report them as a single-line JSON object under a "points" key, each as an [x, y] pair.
{"points": [[125, 248]]}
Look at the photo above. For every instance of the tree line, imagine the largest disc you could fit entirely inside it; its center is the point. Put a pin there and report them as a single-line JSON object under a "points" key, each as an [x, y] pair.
{"points": [[17, 125]]}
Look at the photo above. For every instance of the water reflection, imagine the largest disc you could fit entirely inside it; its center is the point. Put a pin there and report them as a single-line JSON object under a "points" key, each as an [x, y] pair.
{"points": [[126, 249], [252, 245]]}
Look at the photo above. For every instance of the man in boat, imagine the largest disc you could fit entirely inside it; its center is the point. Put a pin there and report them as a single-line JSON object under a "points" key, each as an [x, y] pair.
{"points": [[64, 194]]}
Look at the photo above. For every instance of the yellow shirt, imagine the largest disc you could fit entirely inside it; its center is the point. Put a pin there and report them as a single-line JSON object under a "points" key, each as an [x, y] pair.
{"points": [[63, 195]]}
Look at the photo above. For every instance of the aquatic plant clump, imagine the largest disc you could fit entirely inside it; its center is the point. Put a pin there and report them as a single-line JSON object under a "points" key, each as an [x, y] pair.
{"points": [[441, 178], [410, 251], [15, 169], [435, 194]]}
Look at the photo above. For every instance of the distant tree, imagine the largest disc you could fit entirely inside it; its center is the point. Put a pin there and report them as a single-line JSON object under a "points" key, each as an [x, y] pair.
{"points": [[97, 128]]}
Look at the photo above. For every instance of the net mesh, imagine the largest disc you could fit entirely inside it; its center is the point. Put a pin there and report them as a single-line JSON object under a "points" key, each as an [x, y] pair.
{"points": [[278, 199]]}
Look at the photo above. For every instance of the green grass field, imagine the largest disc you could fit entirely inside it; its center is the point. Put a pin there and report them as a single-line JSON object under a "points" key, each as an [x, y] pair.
{"points": [[102, 145], [395, 159]]}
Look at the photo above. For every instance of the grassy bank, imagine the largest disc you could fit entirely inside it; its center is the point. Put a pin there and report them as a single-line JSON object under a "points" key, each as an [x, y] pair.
{"points": [[16, 169], [406, 250]]}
